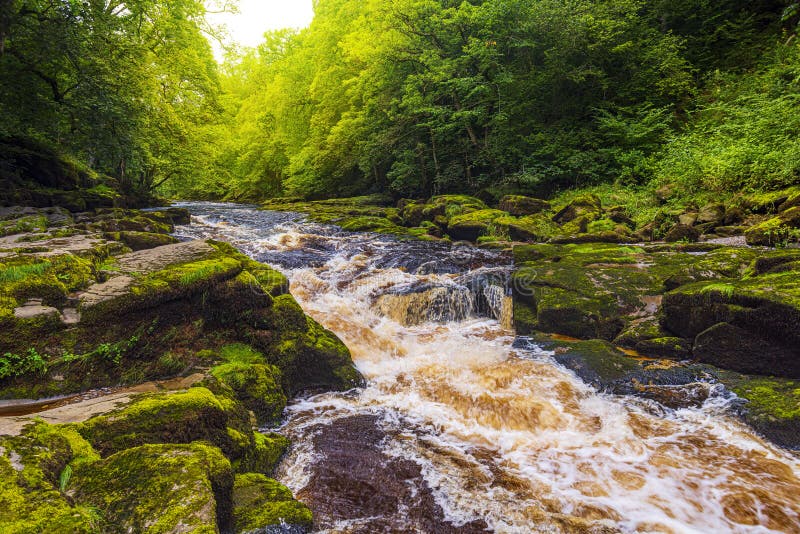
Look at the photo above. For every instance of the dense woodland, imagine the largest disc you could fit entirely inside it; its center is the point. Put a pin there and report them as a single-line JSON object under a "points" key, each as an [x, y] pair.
{"points": [[412, 97]]}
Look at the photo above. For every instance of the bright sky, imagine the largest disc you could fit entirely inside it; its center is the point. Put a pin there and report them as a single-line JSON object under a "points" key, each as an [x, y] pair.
{"points": [[258, 16]]}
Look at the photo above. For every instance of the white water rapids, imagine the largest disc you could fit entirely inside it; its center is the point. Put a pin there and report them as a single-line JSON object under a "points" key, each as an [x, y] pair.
{"points": [[501, 435]]}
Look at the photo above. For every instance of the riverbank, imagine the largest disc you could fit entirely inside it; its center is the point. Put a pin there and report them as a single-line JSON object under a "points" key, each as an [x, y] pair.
{"points": [[108, 299]]}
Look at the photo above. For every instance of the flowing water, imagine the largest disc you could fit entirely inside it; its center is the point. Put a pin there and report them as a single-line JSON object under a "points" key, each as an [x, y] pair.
{"points": [[459, 431]]}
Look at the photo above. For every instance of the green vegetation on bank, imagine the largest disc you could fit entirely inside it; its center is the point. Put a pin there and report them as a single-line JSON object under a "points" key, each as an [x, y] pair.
{"points": [[410, 98]]}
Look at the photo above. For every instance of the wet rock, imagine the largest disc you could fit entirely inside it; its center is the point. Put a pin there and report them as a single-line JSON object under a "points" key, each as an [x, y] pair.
{"points": [[260, 502], [771, 406], [519, 205], [608, 369], [354, 480], [419, 303], [673, 348]]}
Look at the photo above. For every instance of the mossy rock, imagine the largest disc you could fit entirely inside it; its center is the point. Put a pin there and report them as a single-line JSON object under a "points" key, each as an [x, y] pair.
{"points": [[159, 489], [772, 408], [748, 325], [586, 206], [591, 291], [682, 232], [260, 502], [180, 417], [769, 202], [451, 205], [532, 228], [470, 226], [519, 205], [141, 240], [257, 386], [264, 455], [32, 467], [309, 356], [778, 230]]}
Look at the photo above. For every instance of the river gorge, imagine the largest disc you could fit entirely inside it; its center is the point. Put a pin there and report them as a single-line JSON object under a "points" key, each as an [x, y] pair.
{"points": [[460, 428]]}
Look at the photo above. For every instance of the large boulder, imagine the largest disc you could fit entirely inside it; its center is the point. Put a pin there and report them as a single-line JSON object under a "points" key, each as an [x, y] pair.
{"points": [[158, 488], [261, 503], [519, 205], [181, 417], [598, 290], [587, 206], [748, 325], [783, 228], [470, 226]]}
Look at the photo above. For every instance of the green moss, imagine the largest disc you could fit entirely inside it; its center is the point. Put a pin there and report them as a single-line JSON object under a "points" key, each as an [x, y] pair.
{"points": [[772, 398], [29, 223], [159, 489], [261, 502], [264, 455], [257, 386], [30, 468], [602, 225], [180, 417]]}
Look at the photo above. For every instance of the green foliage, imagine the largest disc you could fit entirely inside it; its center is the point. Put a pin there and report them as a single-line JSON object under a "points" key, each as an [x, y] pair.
{"points": [[122, 86], [14, 365]]}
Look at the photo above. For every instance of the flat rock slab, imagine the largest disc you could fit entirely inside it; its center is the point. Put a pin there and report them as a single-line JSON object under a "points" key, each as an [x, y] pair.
{"points": [[78, 245], [34, 311], [80, 408], [156, 259], [97, 293]]}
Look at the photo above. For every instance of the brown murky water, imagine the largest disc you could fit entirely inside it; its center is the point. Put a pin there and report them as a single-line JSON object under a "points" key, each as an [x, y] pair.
{"points": [[458, 432]]}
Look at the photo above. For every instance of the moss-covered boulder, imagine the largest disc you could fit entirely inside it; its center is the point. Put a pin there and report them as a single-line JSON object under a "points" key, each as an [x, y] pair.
{"points": [[32, 472], [309, 356], [470, 226], [158, 489], [532, 228], [451, 205], [587, 206], [681, 232], [519, 205], [260, 503], [257, 386], [180, 417], [772, 407], [748, 325], [778, 230]]}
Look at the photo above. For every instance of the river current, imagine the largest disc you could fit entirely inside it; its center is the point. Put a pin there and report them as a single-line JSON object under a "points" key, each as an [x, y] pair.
{"points": [[460, 429]]}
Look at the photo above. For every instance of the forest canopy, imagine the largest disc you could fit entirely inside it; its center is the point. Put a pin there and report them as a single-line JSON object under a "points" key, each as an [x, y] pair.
{"points": [[413, 97]]}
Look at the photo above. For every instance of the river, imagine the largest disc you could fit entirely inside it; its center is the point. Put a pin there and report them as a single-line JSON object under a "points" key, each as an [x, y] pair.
{"points": [[459, 429]]}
